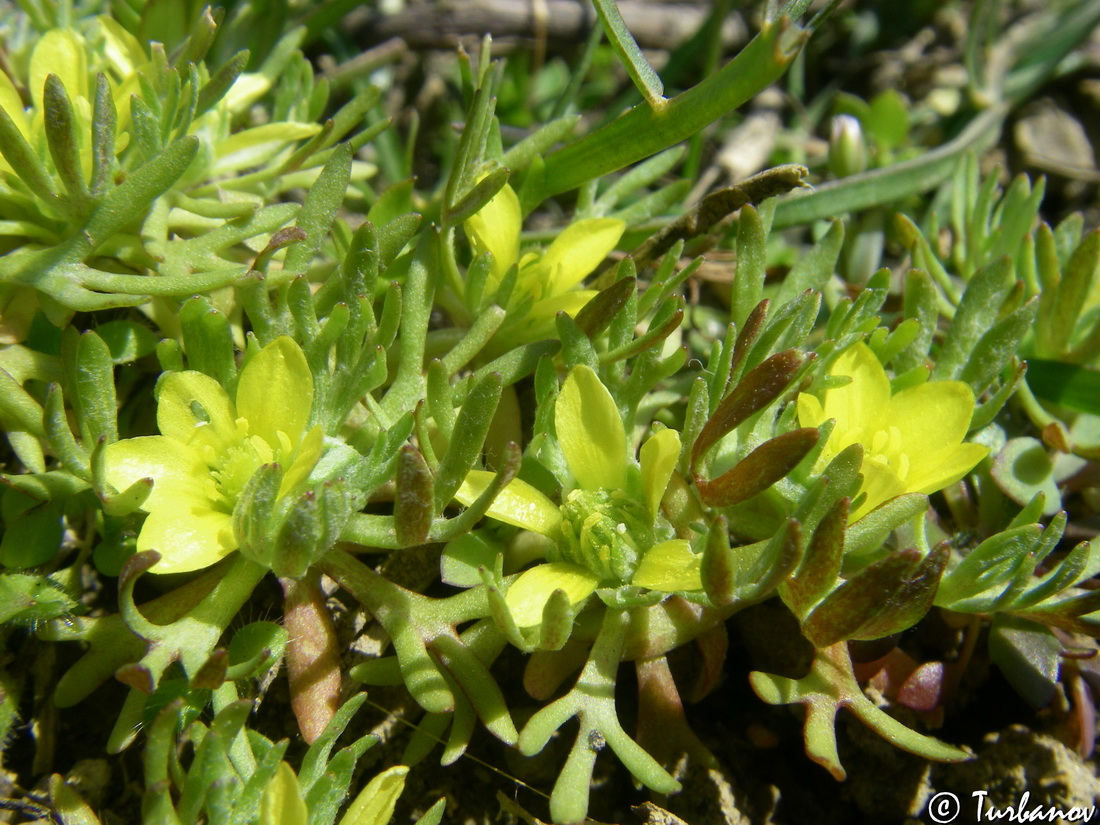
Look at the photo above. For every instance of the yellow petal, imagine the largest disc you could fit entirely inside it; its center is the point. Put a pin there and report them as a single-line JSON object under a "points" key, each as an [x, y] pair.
{"points": [[375, 803], [193, 408], [539, 322], [121, 49], [308, 455], [282, 802], [945, 467], [257, 146], [518, 504], [670, 566], [810, 411], [880, 484], [578, 250], [60, 52], [188, 537], [862, 404], [180, 477], [275, 392], [11, 103], [658, 458], [590, 431], [495, 228], [527, 595], [930, 414]]}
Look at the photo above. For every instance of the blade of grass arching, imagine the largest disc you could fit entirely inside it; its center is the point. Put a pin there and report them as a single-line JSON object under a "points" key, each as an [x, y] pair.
{"points": [[567, 103], [644, 131], [1042, 53], [630, 55], [892, 183], [980, 36], [711, 48]]}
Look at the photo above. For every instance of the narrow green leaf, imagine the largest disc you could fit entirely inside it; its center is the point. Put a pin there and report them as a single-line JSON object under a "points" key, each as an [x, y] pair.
{"points": [[622, 41], [471, 428], [412, 505], [595, 316], [997, 347], [96, 400], [755, 391], [977, 312], [319, 210], [886, 597], [130, 199], [814, 269], [1029, 655], [820, 567], [18, 409], [748, 285], [62, 137], [104, 120], [23, 159], [215, 88]]}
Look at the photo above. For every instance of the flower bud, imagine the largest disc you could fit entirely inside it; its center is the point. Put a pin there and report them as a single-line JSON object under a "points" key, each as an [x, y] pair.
{"points": [[290, 533], [847, 150]]}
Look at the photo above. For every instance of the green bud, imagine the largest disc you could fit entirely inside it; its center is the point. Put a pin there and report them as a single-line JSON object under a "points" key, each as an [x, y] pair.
{"points": [[288, 534], [847, 151]]}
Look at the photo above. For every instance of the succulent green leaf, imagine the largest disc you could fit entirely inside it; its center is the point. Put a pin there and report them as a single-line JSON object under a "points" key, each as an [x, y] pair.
{"points": [[829, 686], [759, 470], [753, 393], [1029, 655], [885, 597]]}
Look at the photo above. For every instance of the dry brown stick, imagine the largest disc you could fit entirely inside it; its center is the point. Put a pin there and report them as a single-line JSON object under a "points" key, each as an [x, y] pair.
{"points": [[717, 205], [440, 25]]}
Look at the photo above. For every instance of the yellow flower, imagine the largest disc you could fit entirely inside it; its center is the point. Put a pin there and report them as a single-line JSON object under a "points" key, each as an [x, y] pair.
{"points": [[608, 531], [912, 440], [209, 448], [546, 282]]}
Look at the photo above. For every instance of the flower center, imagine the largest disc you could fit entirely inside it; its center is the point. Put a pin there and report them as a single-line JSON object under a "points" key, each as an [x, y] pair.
{"points": [[605, 531], [885, 449], [235, 463]]}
